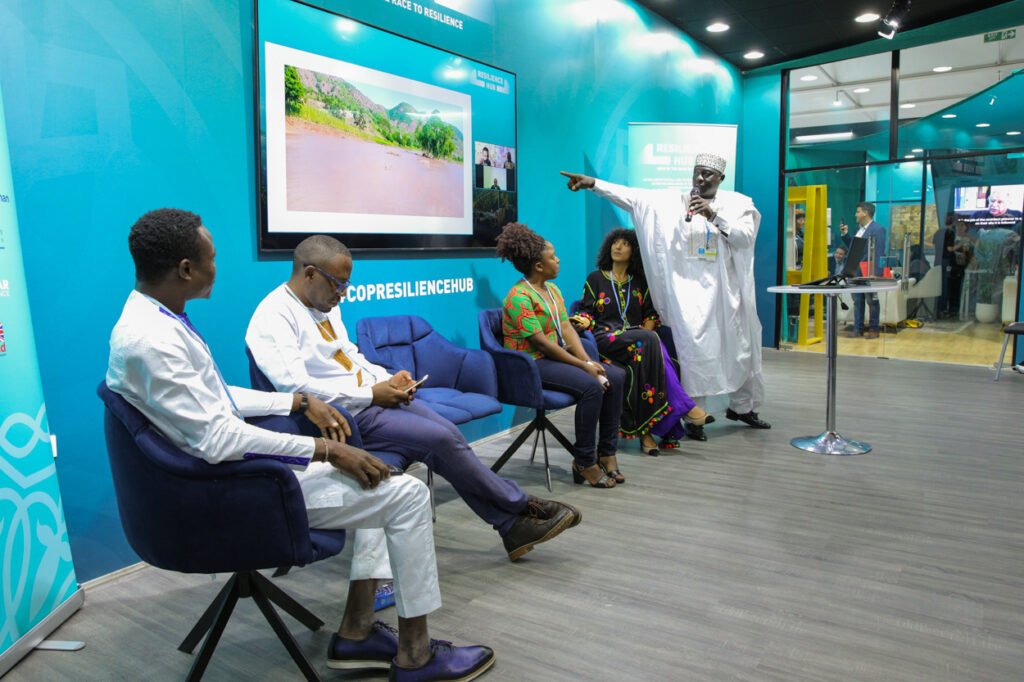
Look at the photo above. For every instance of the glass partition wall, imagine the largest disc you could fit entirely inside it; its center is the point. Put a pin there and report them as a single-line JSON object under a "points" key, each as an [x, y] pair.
{"points": [[945, 183]]}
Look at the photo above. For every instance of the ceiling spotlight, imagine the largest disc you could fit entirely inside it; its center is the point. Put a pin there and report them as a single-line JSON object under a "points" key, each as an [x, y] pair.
{"points": [[837, 102], [910, 156], [1013, 132], [981, 125], [861, 91], [890, 25], [917, 151], [808, 78], [866, 18], [949, 116], [992, 101], [908, 105], [942, 69], [753, 54], [718, 27]]}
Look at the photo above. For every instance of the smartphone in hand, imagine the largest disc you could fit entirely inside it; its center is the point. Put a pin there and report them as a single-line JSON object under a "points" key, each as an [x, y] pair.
{"points": [[409, 388]]}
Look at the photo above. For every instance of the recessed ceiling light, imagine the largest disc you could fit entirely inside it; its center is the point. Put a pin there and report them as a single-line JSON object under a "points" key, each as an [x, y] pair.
{"points": [[910, 156], [753, 54], [808, 78], [981, 125], [1013, 132], [908, 105], [949, 116], [942, 69], [718, 27], [867, 17], [917, 151], [861, 91]]}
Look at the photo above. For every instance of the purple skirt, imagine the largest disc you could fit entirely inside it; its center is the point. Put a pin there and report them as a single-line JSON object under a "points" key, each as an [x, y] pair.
{"points": [[672, 426]]}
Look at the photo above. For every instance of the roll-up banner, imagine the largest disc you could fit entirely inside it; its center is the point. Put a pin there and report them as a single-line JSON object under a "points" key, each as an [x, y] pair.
{"points": [[661, 154], [38, 589]]}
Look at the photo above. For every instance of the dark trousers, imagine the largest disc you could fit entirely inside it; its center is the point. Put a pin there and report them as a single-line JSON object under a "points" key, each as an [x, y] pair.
{"points": [[858, 311], [597, 410], [414, 432], [956, 281]]}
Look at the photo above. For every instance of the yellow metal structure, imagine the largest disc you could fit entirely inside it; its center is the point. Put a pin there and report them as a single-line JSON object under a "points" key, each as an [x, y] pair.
{"points": [[814, 198]]}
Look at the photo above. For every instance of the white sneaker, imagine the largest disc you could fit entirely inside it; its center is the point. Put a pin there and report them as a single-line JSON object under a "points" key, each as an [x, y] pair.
{"points": [[1018, 368]]}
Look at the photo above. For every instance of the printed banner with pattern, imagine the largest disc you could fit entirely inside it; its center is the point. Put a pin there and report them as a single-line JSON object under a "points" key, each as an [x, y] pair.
{"points": [[36, 574]]}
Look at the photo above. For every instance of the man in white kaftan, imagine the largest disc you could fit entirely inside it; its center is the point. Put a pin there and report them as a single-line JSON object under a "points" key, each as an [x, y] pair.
{"points": [[698, 253]]}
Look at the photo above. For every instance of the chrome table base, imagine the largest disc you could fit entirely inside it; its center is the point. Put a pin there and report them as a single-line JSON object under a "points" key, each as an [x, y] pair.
{"points": [[830, 443]]}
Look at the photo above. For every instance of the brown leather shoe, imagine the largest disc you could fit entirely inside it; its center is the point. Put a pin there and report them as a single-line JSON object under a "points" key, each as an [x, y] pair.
{"points": [[528, 530], [547, 509], [871, 334]]}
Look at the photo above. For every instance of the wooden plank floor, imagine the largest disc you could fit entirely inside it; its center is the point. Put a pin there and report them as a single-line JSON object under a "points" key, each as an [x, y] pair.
{"points": [[740, 558], [961, 341]]}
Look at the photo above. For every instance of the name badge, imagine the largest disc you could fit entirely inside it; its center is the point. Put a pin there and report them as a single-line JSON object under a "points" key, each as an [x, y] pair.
{"points": [[703, 240]]}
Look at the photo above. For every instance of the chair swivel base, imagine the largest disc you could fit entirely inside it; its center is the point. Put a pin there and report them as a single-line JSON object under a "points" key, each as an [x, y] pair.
{"points": [[541, 424], [213, 621], [830, 443]]}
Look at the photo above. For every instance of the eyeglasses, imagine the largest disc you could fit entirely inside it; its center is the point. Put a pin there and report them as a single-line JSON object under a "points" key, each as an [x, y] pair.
{"points": [[339, 285]]}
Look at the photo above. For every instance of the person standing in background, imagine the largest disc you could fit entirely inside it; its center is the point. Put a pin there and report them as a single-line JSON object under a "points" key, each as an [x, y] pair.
{"points": [[868, 228]]}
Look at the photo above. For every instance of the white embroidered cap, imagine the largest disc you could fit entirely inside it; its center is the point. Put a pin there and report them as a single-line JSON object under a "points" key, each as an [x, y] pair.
{"points": [[712, 161]]}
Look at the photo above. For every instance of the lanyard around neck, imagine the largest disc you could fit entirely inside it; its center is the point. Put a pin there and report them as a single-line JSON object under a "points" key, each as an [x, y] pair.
{"points": [[556, 318], [618, 303], [194, 333]]}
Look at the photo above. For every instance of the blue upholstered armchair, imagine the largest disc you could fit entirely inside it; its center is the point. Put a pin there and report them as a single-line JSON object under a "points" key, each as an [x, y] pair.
{"points": [[462, 386], [519, 384], [180, 513]]}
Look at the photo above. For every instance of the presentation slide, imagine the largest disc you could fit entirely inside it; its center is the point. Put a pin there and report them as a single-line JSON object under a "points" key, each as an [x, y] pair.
{"points": [[377, 139]]}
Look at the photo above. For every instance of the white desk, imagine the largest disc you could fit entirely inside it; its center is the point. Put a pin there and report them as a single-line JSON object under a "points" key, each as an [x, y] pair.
{"points": [[830, 442]]}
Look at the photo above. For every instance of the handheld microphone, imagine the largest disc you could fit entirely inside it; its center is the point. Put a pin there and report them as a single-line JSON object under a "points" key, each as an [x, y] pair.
{"points": [[689, 211]]}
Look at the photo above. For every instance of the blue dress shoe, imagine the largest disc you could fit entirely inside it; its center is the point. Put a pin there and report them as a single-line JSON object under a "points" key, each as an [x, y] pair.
{"points": [[376, 651], [462, 663]]}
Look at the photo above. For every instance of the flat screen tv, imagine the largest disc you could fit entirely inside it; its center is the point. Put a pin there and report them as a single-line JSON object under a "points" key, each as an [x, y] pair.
{"points": [[379, 140], [989, 205]]}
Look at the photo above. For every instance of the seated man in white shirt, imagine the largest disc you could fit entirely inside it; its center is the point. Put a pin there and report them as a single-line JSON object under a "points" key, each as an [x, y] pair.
{"points": [[299, 342], [161, 365]]}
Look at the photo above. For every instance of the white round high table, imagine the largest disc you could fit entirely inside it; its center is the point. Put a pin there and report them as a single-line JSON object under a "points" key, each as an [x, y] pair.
{"points": [[830, 442]]}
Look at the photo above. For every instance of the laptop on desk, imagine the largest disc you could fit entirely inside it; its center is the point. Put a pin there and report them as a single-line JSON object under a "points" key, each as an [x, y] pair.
{"points": [[850, 274]]}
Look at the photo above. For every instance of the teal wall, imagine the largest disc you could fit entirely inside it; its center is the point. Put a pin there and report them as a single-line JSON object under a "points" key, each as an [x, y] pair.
{"points": [[760, 179], [115, 107]]}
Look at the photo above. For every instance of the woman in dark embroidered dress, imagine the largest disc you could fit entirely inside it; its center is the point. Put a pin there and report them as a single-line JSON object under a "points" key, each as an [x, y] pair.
{"points": [[617, 308]]}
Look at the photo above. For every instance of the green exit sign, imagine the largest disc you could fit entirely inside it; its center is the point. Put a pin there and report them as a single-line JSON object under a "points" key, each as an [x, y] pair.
{"points": [[1000, 35]]}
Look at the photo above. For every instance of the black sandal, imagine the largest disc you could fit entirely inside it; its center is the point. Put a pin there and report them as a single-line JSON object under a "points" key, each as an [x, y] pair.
{"points": [[605, 481], [615, 474]]}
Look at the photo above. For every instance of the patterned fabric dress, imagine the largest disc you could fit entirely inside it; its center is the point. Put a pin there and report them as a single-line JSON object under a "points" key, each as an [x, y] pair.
{"points": [[525, 313], [654, 400]]}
